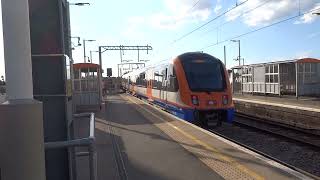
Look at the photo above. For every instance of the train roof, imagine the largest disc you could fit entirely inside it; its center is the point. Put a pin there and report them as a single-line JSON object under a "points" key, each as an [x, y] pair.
{"points": [[196, 55], [183, 57]]}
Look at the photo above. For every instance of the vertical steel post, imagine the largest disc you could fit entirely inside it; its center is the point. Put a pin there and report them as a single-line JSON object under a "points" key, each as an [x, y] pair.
{"points": [[120, 54], [91, 57], [233, 81], [225, 56], [84, 50], [138, 54], [239, 54], [297, 68], [99, 73], [279, 83], [100, 59]]}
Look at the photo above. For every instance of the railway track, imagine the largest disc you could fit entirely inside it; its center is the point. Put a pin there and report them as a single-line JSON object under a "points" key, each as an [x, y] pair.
{"points": [[281, 131], [266, 155], [292, 148]]}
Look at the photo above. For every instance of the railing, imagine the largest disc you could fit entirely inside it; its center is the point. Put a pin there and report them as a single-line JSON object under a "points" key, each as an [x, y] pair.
{"points": [[89, 142]]}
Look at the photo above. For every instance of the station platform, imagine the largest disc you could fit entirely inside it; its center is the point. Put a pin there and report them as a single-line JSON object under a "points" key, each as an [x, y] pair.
{"points": [[303, 113], [137, 141], [307, 102]]}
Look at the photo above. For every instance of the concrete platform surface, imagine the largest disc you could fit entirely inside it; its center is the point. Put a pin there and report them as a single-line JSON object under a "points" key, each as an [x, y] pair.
{"points": [[302, 113], [302, 102], [137, 141]]}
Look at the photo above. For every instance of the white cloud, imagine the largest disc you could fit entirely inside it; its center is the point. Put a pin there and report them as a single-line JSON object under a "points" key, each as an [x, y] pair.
{"points": [[218, 7], [268, 12], [176, 14], [180, 12], [309, 18]]}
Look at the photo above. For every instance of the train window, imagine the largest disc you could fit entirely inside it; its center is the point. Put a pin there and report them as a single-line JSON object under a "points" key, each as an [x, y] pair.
{"points": [[166, 74], [207, 76], [173, 82]]}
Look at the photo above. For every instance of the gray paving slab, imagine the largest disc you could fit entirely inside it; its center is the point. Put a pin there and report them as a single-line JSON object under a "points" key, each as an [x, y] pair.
{"points": [[130, 147]]}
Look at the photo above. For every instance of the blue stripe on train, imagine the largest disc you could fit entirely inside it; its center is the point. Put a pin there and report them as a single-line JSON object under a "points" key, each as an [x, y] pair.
{"points": [[184, 113]]}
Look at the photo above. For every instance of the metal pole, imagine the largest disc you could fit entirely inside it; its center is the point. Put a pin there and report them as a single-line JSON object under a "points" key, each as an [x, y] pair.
{"points": [[100, 77], [297, 80], [91, 56], [138, 55], [100, 59], [118, 71], [225, 56], [120, 54], [239, 54], [279, 83], [84, 51]]}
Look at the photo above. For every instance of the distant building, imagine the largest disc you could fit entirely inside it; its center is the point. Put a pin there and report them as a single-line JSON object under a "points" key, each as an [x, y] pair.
{"points": [[299, 77]]}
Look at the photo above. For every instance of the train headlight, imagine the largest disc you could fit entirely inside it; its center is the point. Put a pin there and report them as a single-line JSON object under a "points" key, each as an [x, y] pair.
{"points": [[225, 99], [212, 102], [195, 100]]}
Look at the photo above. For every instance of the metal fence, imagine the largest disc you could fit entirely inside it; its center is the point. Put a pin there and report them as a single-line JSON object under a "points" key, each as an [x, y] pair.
{"points": [[87, 142]]}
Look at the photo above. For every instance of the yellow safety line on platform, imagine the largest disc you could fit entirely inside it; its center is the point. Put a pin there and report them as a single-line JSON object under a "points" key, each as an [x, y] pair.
{"points": [[206, 146]]}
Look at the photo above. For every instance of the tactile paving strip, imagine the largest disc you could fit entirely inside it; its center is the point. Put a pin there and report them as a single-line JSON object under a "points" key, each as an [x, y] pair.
{"points": [[226, 167]]}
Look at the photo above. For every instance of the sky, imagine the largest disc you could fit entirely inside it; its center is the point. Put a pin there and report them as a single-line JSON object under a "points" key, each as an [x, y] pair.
{"points": [[166, 26]]}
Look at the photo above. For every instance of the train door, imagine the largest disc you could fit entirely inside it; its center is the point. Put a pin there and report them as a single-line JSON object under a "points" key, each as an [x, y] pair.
{"points": [[164, 95]]}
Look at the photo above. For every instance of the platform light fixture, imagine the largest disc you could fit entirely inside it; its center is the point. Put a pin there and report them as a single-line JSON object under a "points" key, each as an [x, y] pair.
{"points": [[91, 55], [233, 40], [84, 48]]}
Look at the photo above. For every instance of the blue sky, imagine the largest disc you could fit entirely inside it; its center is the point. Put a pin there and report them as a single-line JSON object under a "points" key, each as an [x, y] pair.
{"points": [[160, 22]]}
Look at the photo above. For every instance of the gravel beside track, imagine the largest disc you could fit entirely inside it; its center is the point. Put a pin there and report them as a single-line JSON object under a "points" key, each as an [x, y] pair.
{"points": [[293, 152]]}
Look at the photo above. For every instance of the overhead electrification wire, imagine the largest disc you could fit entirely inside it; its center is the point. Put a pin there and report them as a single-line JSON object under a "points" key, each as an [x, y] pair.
{"points": [[261, 28], [194, 5], [220, 15], [242, 14]]}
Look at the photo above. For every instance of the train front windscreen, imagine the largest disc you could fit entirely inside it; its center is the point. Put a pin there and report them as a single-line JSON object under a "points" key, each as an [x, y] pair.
{"points": [[204, 75]]}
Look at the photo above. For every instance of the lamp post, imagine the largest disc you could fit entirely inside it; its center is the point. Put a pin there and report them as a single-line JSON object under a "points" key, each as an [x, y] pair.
{"points": [[91, 55], [239, 51], [84, 48], [79, 44]]}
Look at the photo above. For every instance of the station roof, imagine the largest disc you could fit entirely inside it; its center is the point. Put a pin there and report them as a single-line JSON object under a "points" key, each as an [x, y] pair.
{"points": [[303, 60]]}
